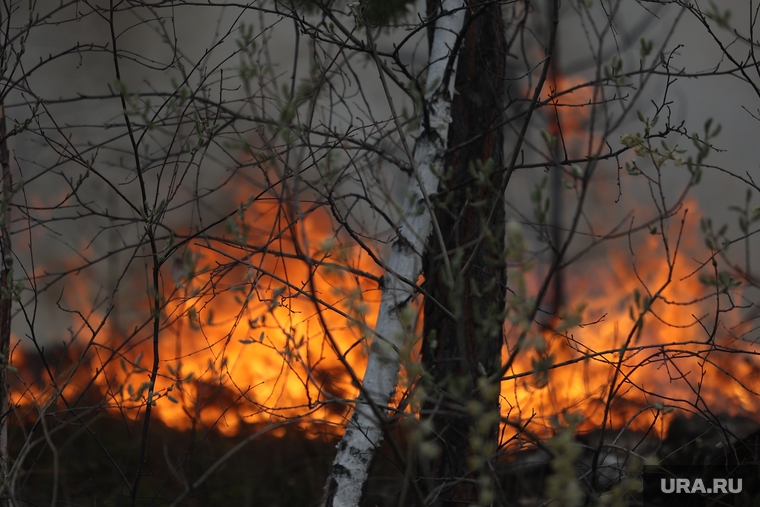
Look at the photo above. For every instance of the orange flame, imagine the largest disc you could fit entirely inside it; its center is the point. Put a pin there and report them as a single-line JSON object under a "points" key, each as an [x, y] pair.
{"points": [[273, 322], [242, 340], [631, 367]]}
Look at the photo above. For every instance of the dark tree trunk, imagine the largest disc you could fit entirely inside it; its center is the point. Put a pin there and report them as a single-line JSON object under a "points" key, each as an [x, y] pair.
{"points": [[6, 300], [457, 354]]}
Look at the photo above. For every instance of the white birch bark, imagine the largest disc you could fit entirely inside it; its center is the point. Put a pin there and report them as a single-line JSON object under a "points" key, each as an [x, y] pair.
{"points": [[364, 432]]}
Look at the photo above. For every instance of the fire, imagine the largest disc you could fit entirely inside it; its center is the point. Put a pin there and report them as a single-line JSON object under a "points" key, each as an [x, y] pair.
{"points": [[567, 114], [272, 321], [260, 334], [243, 341], [669, 357]]}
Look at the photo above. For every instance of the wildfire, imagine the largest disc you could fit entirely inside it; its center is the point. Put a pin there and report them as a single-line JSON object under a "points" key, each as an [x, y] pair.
{"points": [[243, 341], [645, 346], [272, 322]]}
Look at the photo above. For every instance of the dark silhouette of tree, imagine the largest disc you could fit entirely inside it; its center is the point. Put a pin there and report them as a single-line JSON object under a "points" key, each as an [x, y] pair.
{"points": [[466, 282]]}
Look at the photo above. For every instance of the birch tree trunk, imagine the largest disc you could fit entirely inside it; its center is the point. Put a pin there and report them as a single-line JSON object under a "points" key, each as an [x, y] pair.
{"points": [[364, 433]]}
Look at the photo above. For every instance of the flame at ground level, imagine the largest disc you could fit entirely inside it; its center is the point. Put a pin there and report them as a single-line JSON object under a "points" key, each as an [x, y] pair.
{"points": [[266, 325], [650, 344]]}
